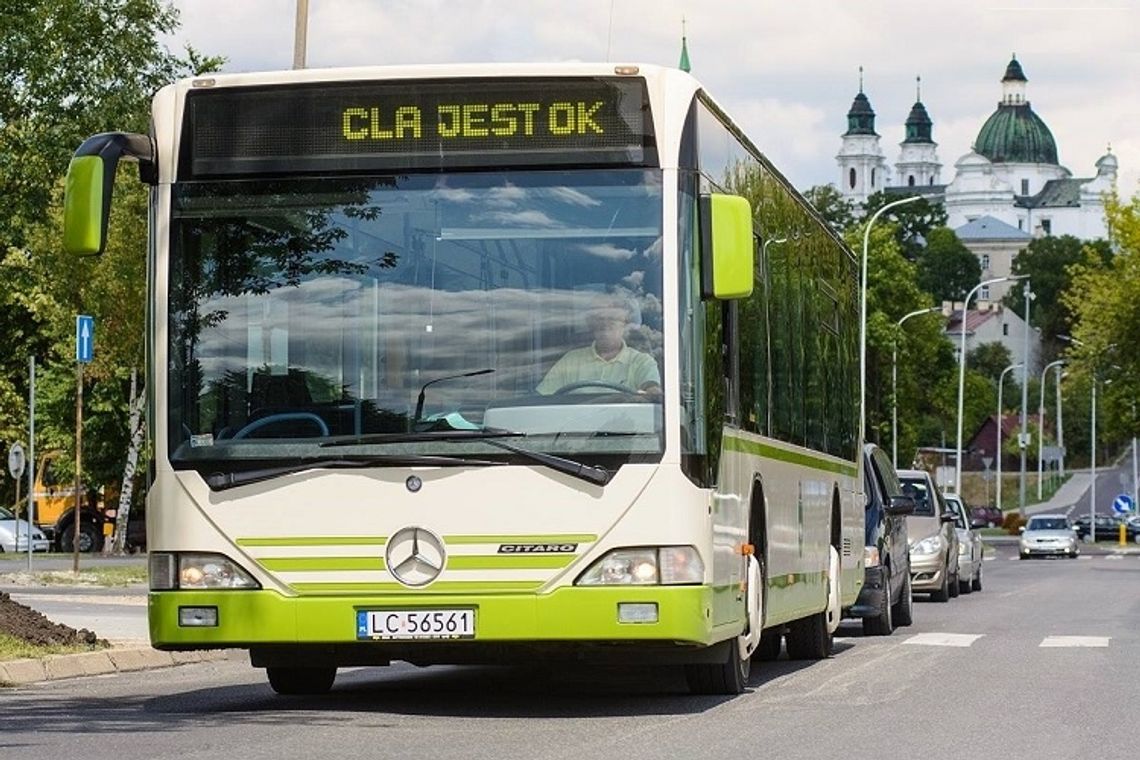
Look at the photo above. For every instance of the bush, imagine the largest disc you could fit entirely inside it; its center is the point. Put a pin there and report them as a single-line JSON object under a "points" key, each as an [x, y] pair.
{"points": [[1012, 523]]}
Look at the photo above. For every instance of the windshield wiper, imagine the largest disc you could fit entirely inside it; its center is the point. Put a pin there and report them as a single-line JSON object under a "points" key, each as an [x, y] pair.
{"points": [[490, 436], [220, 481]]}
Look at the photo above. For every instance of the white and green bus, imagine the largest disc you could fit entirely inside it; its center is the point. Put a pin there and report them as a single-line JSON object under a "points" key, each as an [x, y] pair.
{"points": [[361, 282]]}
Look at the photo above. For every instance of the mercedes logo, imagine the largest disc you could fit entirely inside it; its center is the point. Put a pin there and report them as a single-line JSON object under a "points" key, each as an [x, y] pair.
{"points": [[415, 556]]}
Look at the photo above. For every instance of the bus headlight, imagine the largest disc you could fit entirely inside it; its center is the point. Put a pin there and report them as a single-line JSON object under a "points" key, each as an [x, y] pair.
{"points": [[646, 566], [197, 571]]}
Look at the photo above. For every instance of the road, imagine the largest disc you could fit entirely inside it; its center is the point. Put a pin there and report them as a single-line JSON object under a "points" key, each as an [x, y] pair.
{"points": [[987, 674], [1111, 481]]}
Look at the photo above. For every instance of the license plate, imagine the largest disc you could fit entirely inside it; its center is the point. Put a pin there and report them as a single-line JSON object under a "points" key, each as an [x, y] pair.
{"points": [[415, 624]]}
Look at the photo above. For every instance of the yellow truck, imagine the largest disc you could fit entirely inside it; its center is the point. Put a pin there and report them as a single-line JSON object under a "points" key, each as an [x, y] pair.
{"points": [[55, 509]]}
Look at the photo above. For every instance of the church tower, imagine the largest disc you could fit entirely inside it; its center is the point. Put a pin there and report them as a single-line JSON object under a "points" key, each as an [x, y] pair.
{"points": [[918, 155], [862, 165]]}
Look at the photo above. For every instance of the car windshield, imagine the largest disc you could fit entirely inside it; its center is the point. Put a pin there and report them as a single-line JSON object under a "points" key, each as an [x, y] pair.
{"points": [[308, 310], [5, 514], [917, 489], [1047, 523]]}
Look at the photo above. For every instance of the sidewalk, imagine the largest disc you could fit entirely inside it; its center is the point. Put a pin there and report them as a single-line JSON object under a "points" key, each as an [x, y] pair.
{"points": [[116, 615], [1067, 495]]}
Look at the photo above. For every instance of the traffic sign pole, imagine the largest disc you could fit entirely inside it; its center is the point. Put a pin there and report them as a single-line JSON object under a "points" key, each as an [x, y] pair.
{"points": [[84, 352]]}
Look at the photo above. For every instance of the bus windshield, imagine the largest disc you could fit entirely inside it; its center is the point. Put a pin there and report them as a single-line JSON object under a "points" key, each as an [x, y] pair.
{"points": [[312, 309]]}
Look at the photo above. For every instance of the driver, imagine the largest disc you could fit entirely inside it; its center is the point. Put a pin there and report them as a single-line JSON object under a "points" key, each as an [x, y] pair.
{"points": [[608, 359]]}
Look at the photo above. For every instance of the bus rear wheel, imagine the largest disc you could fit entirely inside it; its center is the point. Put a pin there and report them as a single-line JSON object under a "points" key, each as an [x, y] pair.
{"points": [[301, 680], [728, 677]]}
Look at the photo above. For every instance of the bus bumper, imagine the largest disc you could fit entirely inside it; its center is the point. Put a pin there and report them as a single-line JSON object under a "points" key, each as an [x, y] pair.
{"points": [[569, 618]]}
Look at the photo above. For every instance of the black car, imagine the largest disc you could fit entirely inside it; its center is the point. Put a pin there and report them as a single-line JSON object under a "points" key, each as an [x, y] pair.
{"points": [[885, 600], [1107, 528]]}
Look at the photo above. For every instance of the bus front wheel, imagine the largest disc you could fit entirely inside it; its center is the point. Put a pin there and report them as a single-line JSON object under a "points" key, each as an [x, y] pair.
{"points": [[727, 677], [301, 680]]}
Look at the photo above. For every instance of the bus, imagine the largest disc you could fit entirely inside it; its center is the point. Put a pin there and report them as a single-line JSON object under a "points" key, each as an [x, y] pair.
{"points": [[485, 364]]}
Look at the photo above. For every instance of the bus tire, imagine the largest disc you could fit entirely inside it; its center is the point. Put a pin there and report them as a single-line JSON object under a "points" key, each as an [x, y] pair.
{"points": [[808, 638], [728, 677], [768, 649], [285, 680]]}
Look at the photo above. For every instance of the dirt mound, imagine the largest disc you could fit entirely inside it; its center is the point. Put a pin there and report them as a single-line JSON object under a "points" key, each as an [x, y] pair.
{"points": [[31, 626]]}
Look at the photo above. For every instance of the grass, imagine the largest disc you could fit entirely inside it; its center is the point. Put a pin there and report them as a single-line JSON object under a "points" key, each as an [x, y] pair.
{"points": [[111, 576], [12, 648]]}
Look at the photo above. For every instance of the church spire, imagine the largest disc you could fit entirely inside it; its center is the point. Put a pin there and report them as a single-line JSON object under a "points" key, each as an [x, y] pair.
{"points": [[683, 65], [861, 118]]}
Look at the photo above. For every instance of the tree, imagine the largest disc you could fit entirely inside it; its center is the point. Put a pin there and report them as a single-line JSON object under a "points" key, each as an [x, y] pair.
{"points": [[946, 268], [1049, 262], [913, 221], [68, 69], [1103, 300], [989, 360], [832, 206]]}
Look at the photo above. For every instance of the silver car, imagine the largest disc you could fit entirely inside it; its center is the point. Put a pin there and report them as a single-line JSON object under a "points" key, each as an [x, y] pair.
{"points": [[969, 546], [932, 537], [1048, 536], [9, 526]]}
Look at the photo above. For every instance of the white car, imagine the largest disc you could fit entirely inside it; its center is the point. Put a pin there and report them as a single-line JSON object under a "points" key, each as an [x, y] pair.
{"points": [[969, 546], [9, 529], [1048, 536]]}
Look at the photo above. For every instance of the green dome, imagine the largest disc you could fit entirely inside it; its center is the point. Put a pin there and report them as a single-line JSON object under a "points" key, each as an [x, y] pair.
{"points": [[1014, 134]]}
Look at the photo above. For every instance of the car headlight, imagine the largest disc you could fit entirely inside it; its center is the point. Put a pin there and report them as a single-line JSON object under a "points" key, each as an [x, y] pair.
{"points": [[963, 548], [646, 566], [928, 545], [197, 571]]}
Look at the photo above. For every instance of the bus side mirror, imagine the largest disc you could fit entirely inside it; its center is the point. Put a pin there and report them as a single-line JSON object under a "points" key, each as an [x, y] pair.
{"points": [[727, 246], [90, 182]]}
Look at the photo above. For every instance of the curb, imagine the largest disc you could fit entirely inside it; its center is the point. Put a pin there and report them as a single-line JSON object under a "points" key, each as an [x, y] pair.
{"points": [[124, 660]]}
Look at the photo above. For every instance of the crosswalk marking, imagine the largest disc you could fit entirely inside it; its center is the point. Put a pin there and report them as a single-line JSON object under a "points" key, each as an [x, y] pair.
{"points": [[943, 639], [1075, 641]]}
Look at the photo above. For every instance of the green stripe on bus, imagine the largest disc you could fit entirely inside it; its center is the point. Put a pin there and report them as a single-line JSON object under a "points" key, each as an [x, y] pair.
{"points": [[560, 538], [321, 564], [768, 451], [510, 562], [441, 587], [315, 541]]}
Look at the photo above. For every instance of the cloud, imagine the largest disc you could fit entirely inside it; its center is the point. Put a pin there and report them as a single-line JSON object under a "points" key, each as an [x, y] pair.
{"points": [[786, 71]]}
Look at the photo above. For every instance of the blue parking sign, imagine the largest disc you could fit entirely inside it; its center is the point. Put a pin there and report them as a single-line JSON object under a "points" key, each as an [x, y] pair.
{"points": [[84, 338]]}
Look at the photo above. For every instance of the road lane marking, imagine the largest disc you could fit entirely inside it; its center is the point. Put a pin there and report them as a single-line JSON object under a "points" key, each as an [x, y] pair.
{"points": [[943, 639], [1075, 641]]}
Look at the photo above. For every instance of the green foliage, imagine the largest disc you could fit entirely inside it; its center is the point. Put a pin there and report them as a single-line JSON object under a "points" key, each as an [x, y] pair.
{"points": [[832, 206], [946, 268], [69, 69], [913, 221], [990, 359], [1050, 262]]}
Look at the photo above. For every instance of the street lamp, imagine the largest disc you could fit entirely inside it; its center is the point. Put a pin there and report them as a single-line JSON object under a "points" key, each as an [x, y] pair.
{"points": [[1000, 427], [863, 313], [895, 384], [1041, 420], [962, 370]]}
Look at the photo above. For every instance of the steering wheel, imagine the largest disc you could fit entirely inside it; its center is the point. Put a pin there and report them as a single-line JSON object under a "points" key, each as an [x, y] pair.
{"points": [[595, 384], [273, 419]]}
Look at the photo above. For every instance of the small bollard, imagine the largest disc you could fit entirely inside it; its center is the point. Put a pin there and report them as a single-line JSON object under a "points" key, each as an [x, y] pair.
{"points": [[1123, 535]]}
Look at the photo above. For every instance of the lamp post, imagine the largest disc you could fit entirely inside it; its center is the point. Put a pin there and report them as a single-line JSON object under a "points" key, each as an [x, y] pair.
{"points": [[895, 384], [1041, 421], [962, 371], [300, 34], [863, 314], [1000, 427]]}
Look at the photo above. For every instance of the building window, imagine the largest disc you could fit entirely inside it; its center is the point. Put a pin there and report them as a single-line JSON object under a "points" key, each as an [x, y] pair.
{"points": [[931, 181], [985, 262], [1025, 187], [1021, 224], [872, 178], [851, 178], [1005, 328], [1047, 226], [910, 180], [984, 293]]}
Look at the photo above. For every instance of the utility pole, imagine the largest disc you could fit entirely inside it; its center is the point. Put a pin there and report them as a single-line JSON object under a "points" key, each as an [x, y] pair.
{"points": [[1023, 440], [300, 34]]}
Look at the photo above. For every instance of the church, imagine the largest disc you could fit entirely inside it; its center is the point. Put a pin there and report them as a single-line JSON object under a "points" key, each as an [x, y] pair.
{"points": [[1007, 190]]}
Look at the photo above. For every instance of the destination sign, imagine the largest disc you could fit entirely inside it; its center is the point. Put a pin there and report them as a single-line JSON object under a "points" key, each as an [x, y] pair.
{"points": [[408, 125]]}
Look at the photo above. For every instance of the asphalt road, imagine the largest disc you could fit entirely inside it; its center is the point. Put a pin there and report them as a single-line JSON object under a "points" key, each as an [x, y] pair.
{"points": [[990, 674]]}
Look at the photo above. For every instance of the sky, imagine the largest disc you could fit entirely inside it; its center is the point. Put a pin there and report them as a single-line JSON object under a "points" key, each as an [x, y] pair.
{"points": [[785, 71]]}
